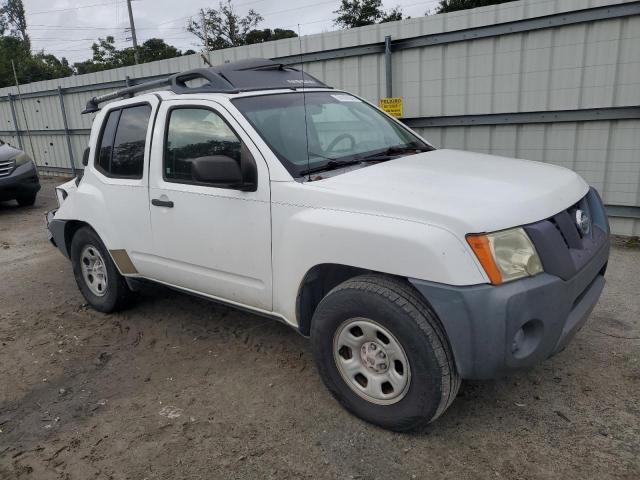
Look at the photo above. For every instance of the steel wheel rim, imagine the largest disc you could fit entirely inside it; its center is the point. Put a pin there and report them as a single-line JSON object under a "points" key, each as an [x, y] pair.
{"points": [[94, 270], [371, 361]]}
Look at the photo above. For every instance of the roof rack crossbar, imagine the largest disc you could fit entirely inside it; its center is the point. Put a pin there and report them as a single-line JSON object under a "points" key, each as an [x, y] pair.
{"points": [[93, 105], [226, 78]]}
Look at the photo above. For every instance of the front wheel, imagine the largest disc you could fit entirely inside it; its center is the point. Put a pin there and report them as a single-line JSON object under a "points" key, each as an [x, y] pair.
{"points": [[26, 200], [382, 353], [98, 279]]}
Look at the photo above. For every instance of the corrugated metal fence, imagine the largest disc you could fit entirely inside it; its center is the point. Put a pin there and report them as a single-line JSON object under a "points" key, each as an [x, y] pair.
{"points": [[549, 80]]}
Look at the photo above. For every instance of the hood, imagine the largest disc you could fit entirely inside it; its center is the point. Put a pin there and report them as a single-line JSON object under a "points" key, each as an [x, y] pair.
{"points": [[461, 191], [7, 152]]}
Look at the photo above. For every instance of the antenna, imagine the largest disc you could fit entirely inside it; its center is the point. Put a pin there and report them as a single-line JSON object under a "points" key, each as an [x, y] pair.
{"points": [[304, 103]]}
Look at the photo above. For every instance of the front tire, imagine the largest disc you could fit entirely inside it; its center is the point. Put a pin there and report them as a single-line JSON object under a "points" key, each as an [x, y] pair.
{"points": [[382, 353], [98, 279], [26, 200]]}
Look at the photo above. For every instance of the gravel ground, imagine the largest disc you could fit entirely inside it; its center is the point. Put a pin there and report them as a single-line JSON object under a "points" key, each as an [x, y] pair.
{"points": [[178, 387]]}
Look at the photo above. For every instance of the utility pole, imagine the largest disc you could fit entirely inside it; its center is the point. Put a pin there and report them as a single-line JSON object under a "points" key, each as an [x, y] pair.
{"points": [[133, 33], [206, 58]]}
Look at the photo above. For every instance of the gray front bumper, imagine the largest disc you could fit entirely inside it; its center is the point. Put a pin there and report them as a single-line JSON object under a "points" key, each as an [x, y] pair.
{"points": [[23, 180], [56, 231], [482, 322]]}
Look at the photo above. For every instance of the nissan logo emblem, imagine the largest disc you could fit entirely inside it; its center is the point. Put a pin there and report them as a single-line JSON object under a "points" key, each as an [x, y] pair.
{"points": [[583, 222]]}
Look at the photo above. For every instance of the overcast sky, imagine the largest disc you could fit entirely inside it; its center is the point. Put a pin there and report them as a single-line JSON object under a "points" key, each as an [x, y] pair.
{"points": [[68, 27]]}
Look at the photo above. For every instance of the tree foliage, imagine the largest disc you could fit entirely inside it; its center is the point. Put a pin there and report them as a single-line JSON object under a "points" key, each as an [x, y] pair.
{"points": [[29, 67], [268, 35], [15, 46], [107, 56], [358, 13], [222, 27], [13, 20], [454, 5]]}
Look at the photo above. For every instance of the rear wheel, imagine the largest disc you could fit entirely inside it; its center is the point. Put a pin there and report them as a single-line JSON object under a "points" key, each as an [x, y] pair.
{"points": [[382, 353], [104, 288]]}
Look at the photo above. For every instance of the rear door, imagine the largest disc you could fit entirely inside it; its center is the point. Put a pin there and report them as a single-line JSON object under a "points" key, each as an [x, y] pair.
{"points": [[121, 166], [207, 239]]}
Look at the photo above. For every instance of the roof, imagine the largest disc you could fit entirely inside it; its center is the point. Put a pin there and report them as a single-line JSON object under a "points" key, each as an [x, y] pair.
{"points": [[243, 76]]}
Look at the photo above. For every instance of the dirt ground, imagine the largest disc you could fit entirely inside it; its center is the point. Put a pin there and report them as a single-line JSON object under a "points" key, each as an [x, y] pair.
{"points": [[178, 387]]}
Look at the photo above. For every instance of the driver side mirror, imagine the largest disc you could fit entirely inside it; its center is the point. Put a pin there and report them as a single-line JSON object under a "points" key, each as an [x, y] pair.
{"points": [[225, 172]]}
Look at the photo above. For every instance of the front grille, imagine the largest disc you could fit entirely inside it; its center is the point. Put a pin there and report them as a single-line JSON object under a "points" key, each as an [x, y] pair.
{"points": [[563, 248], [6, 167]]}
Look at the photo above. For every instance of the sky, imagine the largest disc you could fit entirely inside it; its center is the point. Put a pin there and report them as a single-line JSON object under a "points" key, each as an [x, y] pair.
{"points": [[67, 28]]}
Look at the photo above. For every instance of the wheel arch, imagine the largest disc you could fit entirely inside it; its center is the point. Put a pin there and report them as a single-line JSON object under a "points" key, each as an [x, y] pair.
{"points": [[320, 280], [120, 258], [70, 229]]}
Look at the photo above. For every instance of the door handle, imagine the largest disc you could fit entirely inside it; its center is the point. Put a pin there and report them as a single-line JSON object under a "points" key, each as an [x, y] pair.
{"points": [[162, 203]]}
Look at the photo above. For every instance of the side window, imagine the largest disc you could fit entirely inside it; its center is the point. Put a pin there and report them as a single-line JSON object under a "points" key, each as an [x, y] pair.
{"points": [[193, 133], [121, 153], [103, 162]]}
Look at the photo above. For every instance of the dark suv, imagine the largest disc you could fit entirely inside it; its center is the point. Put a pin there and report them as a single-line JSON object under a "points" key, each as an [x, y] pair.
{"points": [[18, 176]]}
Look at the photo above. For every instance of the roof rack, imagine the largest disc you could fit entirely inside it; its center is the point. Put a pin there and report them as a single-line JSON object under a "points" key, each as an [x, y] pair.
{"points": [[241, 76]]}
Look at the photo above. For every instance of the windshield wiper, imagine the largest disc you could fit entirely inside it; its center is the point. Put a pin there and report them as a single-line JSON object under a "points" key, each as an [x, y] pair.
{"points": [[387, 154], [330, 165], [394, 152]]}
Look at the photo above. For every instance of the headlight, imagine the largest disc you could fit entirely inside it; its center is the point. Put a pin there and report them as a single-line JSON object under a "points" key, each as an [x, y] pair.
{"points": [[22, 158], [506, 255]]}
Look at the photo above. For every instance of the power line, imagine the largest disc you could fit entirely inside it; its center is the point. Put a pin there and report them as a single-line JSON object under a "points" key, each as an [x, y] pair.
{"points": [[70, 8], [62, 27], [187, 36]]}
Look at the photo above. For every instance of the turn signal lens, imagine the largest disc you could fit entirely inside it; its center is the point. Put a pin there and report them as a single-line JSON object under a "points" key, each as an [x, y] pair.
{"points": [[481, 247], [506, 255]]}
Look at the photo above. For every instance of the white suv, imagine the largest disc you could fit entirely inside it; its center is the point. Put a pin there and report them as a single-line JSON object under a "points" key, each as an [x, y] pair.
{"points": [[409, 267]]}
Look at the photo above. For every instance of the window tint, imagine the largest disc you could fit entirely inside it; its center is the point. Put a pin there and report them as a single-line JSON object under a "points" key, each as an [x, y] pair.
{"points": [[106, 143], [195, 133], [122, 144]]}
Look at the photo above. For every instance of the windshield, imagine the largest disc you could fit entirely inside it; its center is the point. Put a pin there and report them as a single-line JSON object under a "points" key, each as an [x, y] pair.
{"points": [[341, 129]]}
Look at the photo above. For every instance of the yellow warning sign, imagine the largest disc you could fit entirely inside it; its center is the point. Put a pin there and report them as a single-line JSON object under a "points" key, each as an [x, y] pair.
{"points": [[392, 105]]}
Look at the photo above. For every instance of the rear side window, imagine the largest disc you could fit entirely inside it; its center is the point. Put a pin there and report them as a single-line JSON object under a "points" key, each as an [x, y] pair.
{"points": [[193, 133], [121, 153]]}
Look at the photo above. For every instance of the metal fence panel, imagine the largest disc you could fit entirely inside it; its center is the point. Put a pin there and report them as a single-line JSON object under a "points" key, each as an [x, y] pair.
{"points": [[537, 79]]}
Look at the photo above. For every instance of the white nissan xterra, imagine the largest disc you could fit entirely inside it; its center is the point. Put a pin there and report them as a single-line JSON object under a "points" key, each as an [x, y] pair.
{"points": [[410, 268]]}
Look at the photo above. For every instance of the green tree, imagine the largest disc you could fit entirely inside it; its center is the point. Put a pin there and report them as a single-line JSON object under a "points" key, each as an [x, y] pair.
{"points": [[268, 35], [156, 49], [13, 20], [29, 68], [358, 13], [107, 56], [12, 48], [454, 5], [222, 27], [49, 66]]}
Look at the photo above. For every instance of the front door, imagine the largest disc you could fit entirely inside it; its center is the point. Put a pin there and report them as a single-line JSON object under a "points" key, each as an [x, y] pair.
{"points": [[207, 239]]}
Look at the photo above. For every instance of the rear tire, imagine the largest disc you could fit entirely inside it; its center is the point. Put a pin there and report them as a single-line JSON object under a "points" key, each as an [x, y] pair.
{"points": [[383, 354], [26, 201], [96, 275]]}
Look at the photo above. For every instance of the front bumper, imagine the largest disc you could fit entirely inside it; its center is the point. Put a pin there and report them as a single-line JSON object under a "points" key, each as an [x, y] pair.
{"points": [[23, 181], [493, 330], [56, 231], [483, 322]]}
